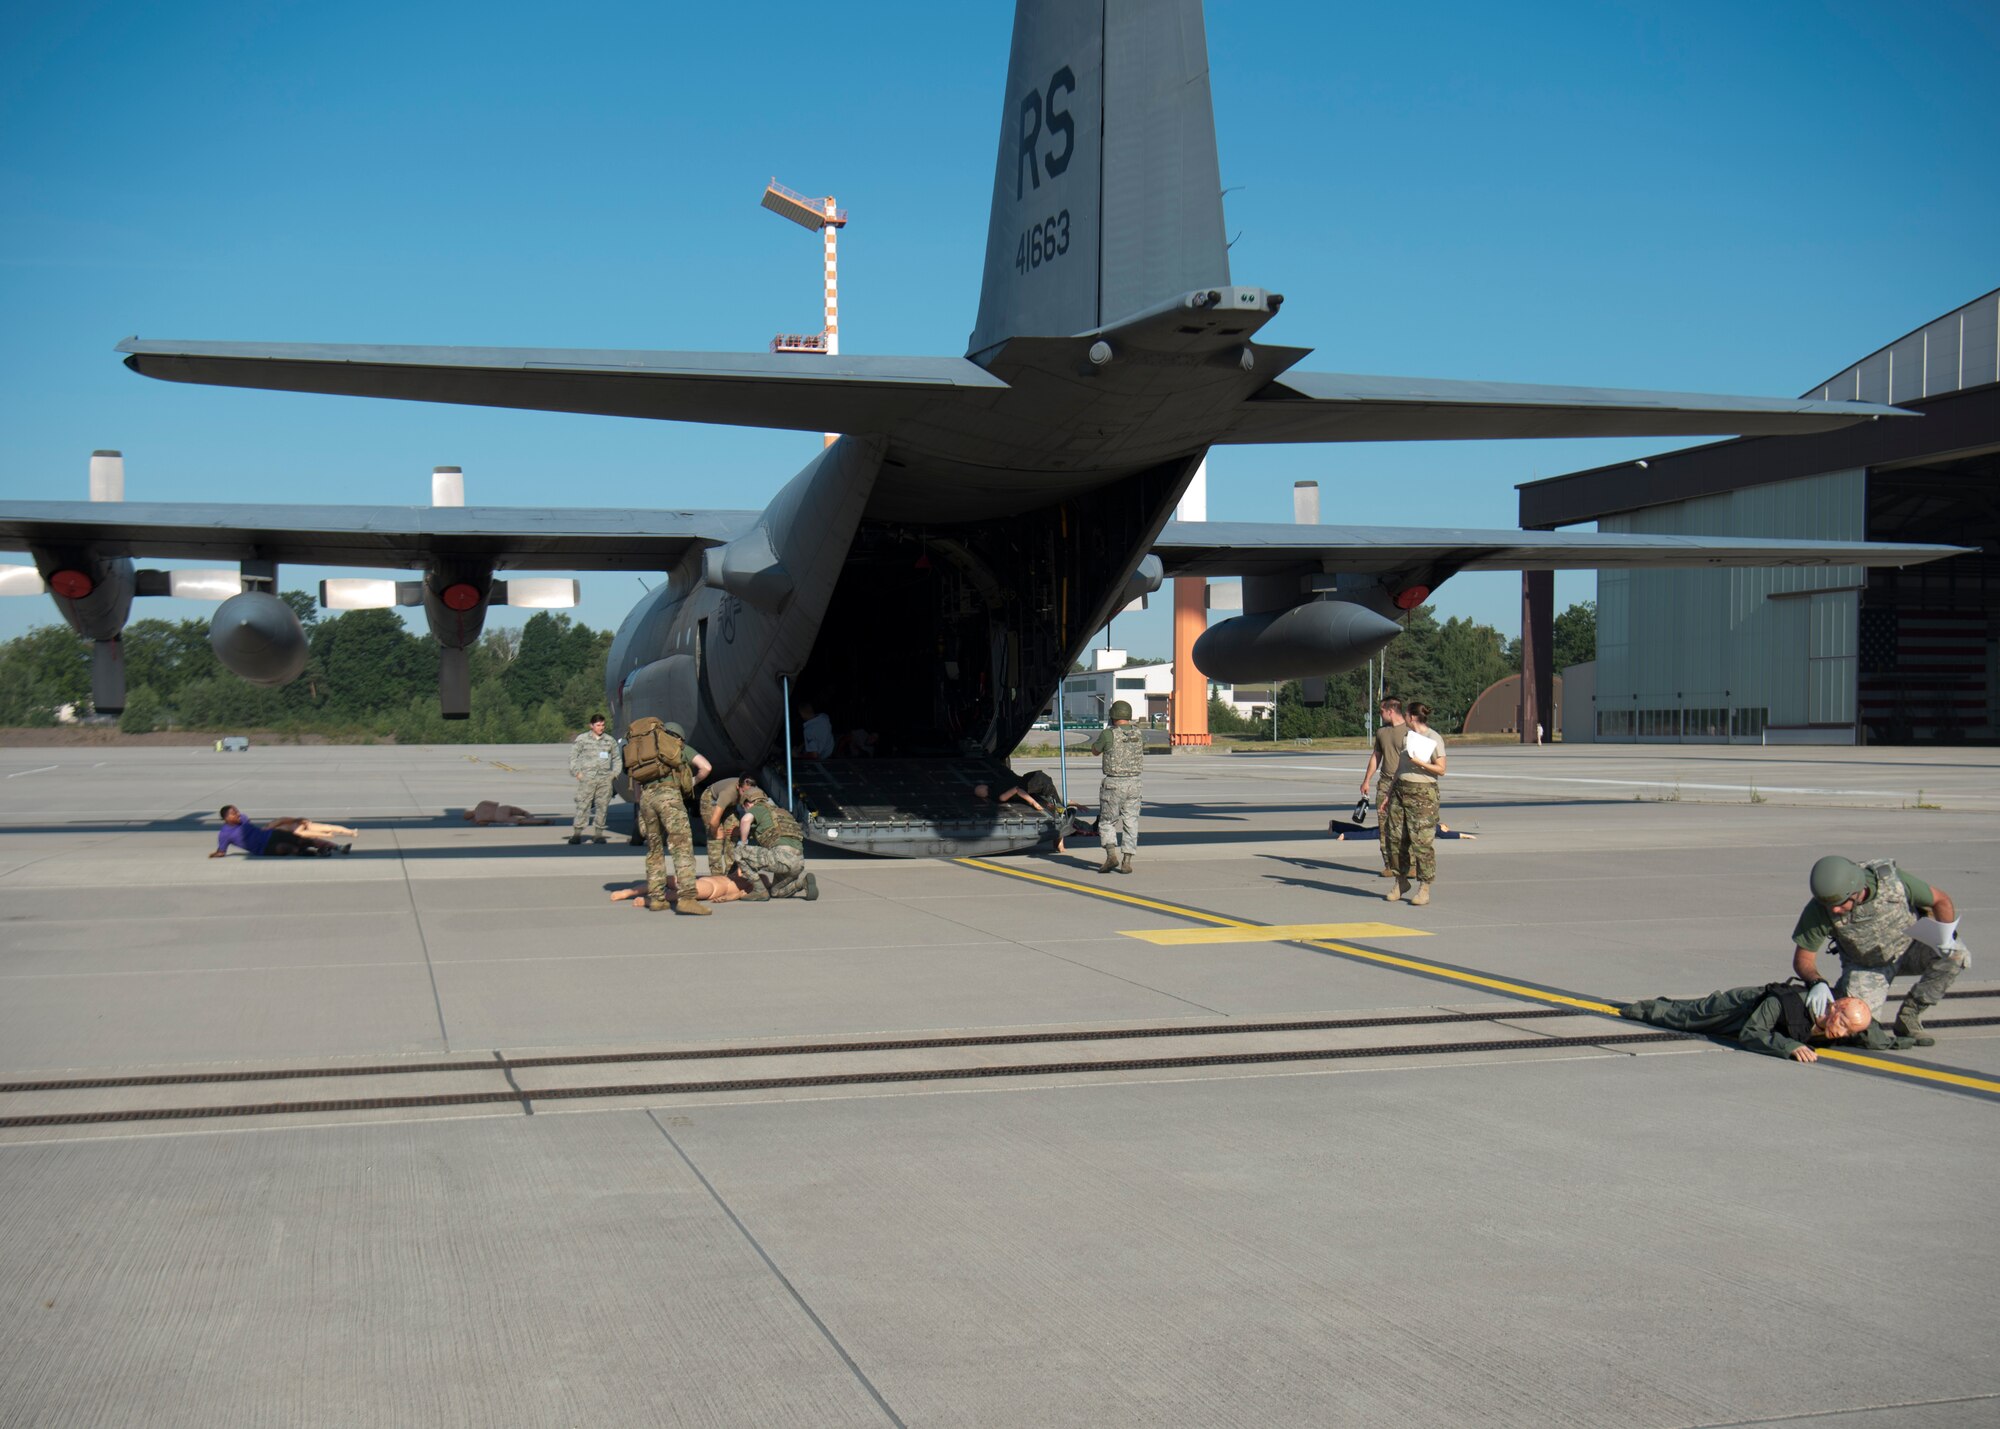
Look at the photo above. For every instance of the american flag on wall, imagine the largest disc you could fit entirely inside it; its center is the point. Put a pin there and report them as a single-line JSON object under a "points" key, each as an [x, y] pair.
{"points": [[1923, 672]]}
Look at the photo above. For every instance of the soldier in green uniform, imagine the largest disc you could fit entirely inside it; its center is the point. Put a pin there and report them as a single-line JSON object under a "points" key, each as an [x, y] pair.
{"points": [[1773, 1020], [1868, 912], [1123, 745], [593, 763], [663, 819], [1382, 760], [771, 848]]}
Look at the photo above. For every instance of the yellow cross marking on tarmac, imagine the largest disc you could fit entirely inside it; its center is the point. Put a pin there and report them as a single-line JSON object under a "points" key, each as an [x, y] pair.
{"points": [[1321, 935], [1273, 933]]}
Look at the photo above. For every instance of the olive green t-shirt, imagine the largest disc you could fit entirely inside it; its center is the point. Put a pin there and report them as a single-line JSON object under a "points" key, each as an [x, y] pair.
{"points": [[1815, 924], [1388, 753]]}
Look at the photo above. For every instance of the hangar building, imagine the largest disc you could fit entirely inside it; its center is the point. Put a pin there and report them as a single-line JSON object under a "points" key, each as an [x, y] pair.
{"points": [[1805, 655]]}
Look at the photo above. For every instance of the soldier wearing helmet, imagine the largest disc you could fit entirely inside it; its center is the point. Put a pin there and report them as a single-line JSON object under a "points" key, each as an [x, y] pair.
{"points": [[1123, 746], [1866, 913]]}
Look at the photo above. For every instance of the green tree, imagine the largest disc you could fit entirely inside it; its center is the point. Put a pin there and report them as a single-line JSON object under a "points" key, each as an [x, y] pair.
{"points": [[1576, 635], [144, 711], [42, 671], [540, 666]]}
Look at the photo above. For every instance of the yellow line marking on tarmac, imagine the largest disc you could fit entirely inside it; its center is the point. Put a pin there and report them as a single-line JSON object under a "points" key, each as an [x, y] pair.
{"points": [[1910, 1069], [1273, 933], [1136, 901], [1242, 930]]}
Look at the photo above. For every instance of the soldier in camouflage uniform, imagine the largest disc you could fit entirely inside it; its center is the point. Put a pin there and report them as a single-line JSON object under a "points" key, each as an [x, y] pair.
{"points": [[1123, 745], [593, 763], [1410, 819], [771, 848], [718, 805], [1867, 912], [663, 819]]}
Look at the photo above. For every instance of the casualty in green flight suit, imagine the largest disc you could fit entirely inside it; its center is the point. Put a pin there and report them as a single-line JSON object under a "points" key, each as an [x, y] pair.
{"points": [[663, 815], [771, 848], [1868, 912], [1773, 1020], [1123, 745]]}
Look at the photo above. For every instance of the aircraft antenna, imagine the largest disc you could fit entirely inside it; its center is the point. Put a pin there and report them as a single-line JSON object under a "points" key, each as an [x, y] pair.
{"points": [[826, 216]]}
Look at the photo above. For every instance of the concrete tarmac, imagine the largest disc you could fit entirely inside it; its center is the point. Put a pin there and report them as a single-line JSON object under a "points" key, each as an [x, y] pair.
{"points": [[1584, 1233]]}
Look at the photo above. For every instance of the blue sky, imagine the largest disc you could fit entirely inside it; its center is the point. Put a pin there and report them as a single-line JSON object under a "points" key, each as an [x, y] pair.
{"points": [[1701, 197]]}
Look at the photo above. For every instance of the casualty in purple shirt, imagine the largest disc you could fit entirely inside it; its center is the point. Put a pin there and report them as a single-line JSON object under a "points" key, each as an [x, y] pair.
{"points": [[245, 835]]}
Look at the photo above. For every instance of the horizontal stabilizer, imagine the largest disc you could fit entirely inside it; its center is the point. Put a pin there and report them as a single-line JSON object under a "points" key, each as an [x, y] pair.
{"points": [[793, 391], [1340, 407], [401, 537], [1233, 548]]}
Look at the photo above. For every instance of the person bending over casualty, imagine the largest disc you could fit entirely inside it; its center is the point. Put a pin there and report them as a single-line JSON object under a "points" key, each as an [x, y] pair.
{"points": [[1883, 923], [1774, 1019], [268, 842], [708, 888]]}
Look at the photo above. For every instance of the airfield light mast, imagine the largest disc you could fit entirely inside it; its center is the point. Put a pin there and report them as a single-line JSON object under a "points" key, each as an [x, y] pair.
{"points": [[829, 219]]}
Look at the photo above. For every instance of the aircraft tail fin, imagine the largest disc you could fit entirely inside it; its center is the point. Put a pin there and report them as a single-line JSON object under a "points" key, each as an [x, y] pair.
{"points": [[1107, 196]]}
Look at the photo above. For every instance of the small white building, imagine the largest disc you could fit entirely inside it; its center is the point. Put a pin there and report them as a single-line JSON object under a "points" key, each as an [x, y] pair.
{"points": [[1147, 688]]}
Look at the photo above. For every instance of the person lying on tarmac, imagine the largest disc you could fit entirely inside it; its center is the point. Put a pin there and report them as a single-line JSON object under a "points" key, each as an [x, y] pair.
{"points": [[487, 811], [707, 888], [314, 829], [270, 842], [1775, 1019], [1342, 829], [1039, 793]]}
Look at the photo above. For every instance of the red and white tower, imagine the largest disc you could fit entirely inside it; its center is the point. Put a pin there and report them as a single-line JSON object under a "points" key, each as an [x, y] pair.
{"points": [[824, 215]]}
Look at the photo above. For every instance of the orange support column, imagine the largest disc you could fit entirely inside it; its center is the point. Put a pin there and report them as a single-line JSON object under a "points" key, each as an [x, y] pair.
{"points": [[1189, 707]]}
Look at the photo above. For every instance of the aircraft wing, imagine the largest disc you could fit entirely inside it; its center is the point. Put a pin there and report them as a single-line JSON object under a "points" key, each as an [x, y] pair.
{"points": [[1232, 548], [1340, 407], [808, 392], [401, 537]]}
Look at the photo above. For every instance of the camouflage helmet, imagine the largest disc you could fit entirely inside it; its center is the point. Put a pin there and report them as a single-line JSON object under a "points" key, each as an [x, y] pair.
{"points": [[1121, 710], [674, 728], [1836, 879]]}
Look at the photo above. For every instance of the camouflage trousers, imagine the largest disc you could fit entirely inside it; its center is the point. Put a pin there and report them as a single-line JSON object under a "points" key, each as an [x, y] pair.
{"points": [[722, 850], [1409, 827], [1934, 971], [1119, 802], [663, 819], [593, 801], [781, 869], [1384, 787]]}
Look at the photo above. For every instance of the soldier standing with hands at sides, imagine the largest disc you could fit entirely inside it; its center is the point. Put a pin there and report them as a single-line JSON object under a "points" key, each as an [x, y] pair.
{"points": [[1411, 820], [1383, 759], [659, 761], [1123, 745], [593, 762]]}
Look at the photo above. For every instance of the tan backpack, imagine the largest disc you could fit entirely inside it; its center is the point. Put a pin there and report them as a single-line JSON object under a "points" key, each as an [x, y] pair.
{"points": [[651, 753]]}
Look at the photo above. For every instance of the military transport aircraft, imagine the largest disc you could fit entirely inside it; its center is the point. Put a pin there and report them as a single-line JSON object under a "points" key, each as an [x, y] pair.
{"points": [[983, 515]]}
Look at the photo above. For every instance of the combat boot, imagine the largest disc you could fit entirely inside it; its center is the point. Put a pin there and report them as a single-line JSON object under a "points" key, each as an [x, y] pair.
{"points": [[1910, 1024], [1125, 863], [1395, 895], [576, 838], [812, 888], [1388, 873], [657, 905], [694, 906], [1110, 862], [756, 893], [1421, 896]]}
